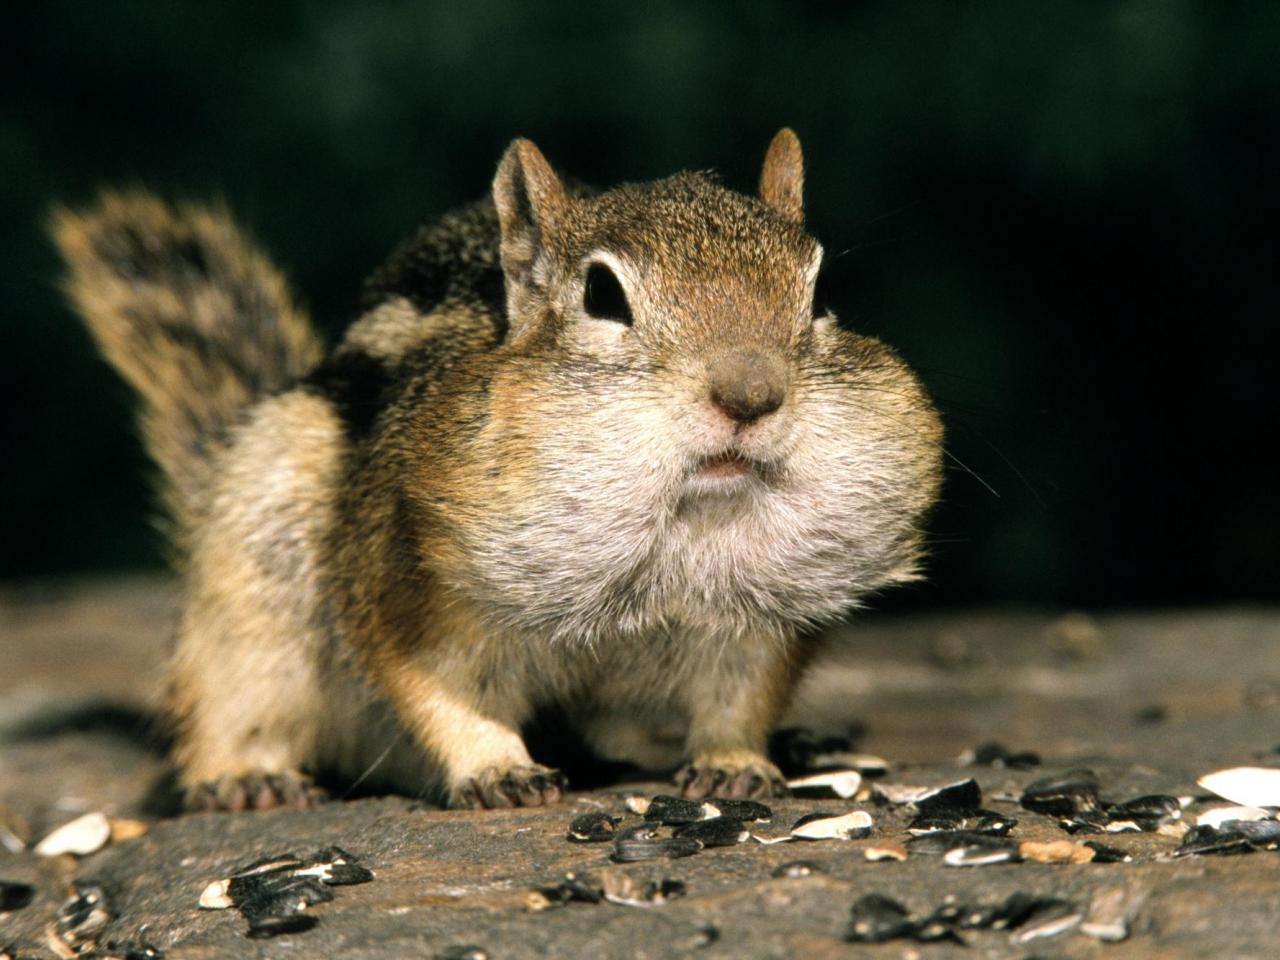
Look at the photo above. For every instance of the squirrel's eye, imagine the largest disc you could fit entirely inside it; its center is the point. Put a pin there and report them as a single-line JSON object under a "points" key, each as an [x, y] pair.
{"points": [[821, 298], [602, 297]]}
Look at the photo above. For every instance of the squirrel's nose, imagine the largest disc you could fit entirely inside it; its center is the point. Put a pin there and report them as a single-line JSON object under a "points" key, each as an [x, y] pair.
{"points": [[748, 384]]}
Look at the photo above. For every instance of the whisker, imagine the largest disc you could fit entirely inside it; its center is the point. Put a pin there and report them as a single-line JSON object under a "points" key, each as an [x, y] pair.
{"points": [[365, 776]]}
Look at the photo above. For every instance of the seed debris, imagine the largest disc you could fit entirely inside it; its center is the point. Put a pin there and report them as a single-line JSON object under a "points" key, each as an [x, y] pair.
{"points": [[1247, 786], [885, 851], [796, 869], [832, 826], [14, 895], [593, 827], [621, 888], [81, 837], [1062, 795], [273, 893], [677, 811], [716, 832], [828, 784]]}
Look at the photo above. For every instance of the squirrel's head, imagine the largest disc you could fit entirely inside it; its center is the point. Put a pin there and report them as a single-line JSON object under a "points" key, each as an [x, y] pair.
{"points": [[683, 266], [676, 425], [714, 289]]}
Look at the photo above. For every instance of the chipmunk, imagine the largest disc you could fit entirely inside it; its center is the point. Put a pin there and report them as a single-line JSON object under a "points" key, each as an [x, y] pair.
{"points": [[600, 450]]}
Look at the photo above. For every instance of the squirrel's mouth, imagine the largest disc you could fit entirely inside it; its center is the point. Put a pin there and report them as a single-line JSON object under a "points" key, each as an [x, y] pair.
{"points": [[724, 466]]}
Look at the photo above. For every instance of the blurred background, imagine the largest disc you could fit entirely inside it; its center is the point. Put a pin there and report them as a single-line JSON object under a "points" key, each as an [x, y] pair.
{"points": [[1063, 214]]}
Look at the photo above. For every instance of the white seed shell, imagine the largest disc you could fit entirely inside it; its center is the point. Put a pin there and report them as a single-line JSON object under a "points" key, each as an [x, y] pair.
{"points": [[843, 783], [1247, 786], [842, 827], [215, 896], [887, 851], [80, 837], [1217, 816]]}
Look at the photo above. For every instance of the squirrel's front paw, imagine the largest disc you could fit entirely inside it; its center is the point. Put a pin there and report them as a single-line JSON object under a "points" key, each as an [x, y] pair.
{"points": [[255, 790], [528, 786], [736, 775]]}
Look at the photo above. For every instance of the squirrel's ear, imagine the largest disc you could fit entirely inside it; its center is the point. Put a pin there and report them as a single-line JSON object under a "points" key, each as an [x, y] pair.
{"points": [[530, 199], [782, 177]]}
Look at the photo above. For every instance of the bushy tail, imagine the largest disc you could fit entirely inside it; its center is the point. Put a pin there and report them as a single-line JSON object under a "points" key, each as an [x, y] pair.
{"points": [[193, 317]]}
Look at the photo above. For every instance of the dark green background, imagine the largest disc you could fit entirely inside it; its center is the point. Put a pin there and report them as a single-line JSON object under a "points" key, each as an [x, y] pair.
{"points": [[1063, 213]]}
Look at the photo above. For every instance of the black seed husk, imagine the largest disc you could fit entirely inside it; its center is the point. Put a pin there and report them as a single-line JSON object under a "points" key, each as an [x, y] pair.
{"points": [[580, 887], [1016, 910], [1264, 834], [790, 748], [748, 811], [992, 754], [1102, 853], [935, 824], [84, 913], [816, 815], [629, 851], [1152, 805], [664, 889], [1148, 812], [284, 898], [936, 931], [14, 895], [950, 911], [877, 919], [953, 797], [1084, 824], [1075, 791], [593, 827], [344, 868], [283, 862], [346, 874], [132, 950], [977, 821], [673, 811], [716, 832], [984, 821], [978, 917], [797, 868], [333, 854], [642, 830], [1050, 918], [703, 936], [274, 926], [984, 855], [574, 887], [463, 951], [946, 840], [1205, 840]]}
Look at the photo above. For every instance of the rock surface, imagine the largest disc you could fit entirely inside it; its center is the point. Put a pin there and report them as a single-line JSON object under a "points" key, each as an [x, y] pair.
{"points": [[1150, 702]]}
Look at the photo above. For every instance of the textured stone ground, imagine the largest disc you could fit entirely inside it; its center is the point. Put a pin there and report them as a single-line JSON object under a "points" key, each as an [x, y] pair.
{"points": [[1149, 701]]}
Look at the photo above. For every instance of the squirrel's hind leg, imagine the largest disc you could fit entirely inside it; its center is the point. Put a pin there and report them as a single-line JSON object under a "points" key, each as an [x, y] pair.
{"points": [[247, 676], [247, 711]]}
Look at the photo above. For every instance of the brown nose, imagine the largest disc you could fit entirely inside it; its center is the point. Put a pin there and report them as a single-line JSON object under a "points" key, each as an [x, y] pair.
{"points": [[748, 385]]}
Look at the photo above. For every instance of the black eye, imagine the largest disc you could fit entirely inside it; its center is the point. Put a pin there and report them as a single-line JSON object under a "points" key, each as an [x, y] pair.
{"points": [[821, 294], [602, 297]]}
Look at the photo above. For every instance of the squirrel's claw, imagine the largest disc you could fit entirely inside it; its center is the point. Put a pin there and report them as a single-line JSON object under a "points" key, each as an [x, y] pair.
{"points": [[255, 790], [531, 786], [754, 780]]}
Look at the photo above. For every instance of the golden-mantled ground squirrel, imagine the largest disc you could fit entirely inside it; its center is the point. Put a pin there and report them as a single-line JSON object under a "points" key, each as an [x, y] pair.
{"points": [[604, 452]]}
